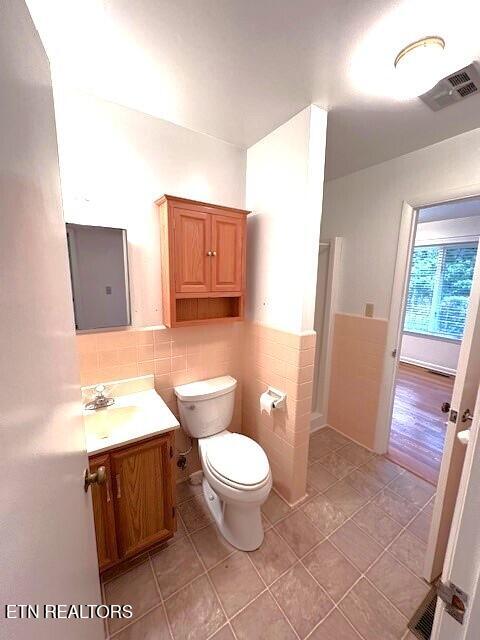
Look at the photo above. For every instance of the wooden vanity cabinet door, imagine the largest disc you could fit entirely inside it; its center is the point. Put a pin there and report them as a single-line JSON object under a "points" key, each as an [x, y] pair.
{"points": [[228, 242], [143, 495], [104, 515], [192, 242]]}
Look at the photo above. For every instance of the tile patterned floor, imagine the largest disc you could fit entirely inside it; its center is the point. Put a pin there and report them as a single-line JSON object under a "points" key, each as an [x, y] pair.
{"points": [[343, 565]]}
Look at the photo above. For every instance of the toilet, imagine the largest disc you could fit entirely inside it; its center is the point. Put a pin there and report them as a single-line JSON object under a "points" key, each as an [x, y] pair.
{"points": [[236, 473]]}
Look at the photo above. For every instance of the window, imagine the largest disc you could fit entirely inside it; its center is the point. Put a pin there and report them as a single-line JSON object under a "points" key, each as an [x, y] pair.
{"points": [[439, 289]]}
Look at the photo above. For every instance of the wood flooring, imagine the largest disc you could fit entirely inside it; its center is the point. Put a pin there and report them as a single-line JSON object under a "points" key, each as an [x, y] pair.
{"points": [[418, 425]]}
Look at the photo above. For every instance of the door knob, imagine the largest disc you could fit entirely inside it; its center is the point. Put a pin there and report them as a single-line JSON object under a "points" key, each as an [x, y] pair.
{"points": [[445, 407], [97, 477], [467, 415]]}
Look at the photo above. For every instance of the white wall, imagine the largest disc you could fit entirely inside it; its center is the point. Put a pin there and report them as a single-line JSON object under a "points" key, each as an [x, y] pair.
{"points": [[284, 192], [432, 353], [435, 353], [365, 207], [115, 162]]}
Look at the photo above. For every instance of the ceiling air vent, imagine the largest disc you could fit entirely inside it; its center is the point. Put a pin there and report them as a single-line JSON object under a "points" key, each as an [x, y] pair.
{"points": [[459, 78], [467, 89], [455, 87]]}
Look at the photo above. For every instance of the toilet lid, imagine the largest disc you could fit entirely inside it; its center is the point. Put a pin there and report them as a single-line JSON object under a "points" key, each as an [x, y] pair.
{"points": [[238, 459]]}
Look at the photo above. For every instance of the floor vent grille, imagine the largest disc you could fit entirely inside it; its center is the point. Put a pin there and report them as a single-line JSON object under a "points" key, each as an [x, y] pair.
{"points": [[422, 622]]}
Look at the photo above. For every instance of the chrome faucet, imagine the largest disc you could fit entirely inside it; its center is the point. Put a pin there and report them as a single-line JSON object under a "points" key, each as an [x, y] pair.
{"points": [[100, 400]]}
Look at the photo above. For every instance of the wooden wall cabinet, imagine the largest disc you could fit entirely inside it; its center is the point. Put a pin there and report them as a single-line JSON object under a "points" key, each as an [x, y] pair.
{"points": [[203, 261], [134, 510]]}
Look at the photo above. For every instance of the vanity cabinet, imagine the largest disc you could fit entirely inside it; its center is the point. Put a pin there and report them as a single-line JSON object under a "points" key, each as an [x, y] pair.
{"points": [[134, 509], [203, 251]]}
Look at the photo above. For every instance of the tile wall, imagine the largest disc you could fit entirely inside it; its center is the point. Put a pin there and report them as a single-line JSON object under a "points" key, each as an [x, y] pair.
{"points": [[256, 355], [356, 376], [174, 356], [284, 361]]}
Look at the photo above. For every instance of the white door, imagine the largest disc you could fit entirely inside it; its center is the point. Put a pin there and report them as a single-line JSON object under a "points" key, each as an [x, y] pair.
{"points": [[47, 545], [462, 561], [464, 397]]}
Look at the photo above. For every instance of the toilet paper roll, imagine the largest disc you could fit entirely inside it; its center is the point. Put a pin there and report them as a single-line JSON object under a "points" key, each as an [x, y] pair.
{"points": [[266, 403]]}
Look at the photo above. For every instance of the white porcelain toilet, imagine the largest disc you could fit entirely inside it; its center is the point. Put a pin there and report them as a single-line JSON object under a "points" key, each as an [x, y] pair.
{"points": [[236, 474]]}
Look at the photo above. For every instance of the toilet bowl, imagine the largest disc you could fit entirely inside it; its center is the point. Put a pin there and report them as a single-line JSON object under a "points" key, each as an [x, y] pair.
{"points": [[236, 473]]}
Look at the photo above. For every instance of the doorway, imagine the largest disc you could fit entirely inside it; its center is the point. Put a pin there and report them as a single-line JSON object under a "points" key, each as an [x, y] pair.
{"points": [[437, 293]]}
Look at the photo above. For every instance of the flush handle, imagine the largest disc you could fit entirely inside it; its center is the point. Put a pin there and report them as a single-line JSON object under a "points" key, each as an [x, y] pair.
{"points": [[96, 477]]}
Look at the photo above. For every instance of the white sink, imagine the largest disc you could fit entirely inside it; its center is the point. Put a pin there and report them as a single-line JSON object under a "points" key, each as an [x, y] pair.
{"points": [[131, 418]]}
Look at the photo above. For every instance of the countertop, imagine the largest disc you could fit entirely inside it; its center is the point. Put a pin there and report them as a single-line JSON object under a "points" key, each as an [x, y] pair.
{"points": [[132, 418]]}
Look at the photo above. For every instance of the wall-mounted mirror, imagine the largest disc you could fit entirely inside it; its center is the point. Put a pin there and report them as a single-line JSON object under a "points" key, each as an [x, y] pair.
{"points": [[99, 273]]}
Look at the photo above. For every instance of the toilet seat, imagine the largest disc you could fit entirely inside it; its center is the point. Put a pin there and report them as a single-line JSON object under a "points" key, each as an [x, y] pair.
{"points": [[236, 460]]}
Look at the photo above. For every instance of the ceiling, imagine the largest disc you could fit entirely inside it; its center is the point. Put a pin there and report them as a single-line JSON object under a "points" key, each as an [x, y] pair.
{"points": [[236, 69], [458, 209]]}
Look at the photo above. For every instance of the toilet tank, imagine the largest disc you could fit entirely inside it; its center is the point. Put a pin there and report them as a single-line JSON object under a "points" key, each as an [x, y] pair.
{"points": [[206, 406]]}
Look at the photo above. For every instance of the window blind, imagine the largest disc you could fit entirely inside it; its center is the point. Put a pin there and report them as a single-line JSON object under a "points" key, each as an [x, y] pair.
{"points": [[439, 289]]}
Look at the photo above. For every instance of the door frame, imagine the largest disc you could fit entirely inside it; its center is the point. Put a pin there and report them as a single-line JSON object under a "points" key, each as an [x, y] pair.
{"points": [[406, 237]]}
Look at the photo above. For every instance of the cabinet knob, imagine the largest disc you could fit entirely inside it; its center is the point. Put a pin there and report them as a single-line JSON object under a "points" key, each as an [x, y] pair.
{"points": [[97, 477], [214, 253], [209, 253]]}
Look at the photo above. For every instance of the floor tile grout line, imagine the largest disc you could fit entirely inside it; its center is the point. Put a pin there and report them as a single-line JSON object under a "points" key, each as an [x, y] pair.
{"points": [[359, 467], [213, 586], [322, 492], [226, 624], [335, 605], [273, 596], [157, 584], [370, 501], [362, 573], [387, 547], [161, 603], [135, 620], [111, 636], [340, 612], [123, 570], [189, 535]]}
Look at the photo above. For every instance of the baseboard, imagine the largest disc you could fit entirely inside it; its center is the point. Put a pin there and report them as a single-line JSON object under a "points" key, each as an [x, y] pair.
{"points": [[429, 365], [361, 444], [317, 421]]}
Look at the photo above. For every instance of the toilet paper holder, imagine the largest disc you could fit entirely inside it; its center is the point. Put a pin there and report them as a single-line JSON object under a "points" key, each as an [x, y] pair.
{"points": [[278, 397]]}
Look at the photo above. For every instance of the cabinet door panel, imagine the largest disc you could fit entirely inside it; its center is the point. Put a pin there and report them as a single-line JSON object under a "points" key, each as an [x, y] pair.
{"points": [[143, 495], [104, 515], [192, 243], [228, 243]]}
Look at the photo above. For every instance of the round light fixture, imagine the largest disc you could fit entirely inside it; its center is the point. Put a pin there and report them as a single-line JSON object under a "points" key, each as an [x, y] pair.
{"points": [[419, 65]]}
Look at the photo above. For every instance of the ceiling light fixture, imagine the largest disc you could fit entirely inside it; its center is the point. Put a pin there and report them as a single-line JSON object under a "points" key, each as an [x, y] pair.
{"points": [[419, 65]]}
